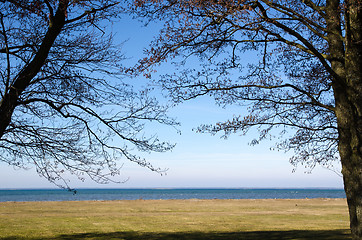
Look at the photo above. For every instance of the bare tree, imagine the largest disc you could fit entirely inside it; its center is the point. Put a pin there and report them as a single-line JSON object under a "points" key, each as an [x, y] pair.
{"points": [[306, 81], [64, 107]]}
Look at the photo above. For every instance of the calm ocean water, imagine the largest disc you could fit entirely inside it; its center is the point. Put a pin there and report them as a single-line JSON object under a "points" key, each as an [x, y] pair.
{"points": [[133, 194]]}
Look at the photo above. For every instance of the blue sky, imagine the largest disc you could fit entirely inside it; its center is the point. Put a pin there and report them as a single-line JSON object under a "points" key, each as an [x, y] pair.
{"points": [[201, 160], [198, 160]]}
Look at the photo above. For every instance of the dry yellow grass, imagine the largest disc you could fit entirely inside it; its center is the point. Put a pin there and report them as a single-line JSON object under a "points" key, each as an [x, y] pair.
{"points": [[176, 219]]}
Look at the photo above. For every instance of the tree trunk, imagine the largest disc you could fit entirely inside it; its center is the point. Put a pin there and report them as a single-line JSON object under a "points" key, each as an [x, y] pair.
{"points": [[350, 145], [350, 150], [348, 110], [347, 64]]}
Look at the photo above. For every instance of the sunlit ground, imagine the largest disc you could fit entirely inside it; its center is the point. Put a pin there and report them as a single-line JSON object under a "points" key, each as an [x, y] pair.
{"points": [[176, 219]]}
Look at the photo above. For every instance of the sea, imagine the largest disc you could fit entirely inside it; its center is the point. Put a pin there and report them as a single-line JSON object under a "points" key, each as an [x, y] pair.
{"points": [[24, 195]]}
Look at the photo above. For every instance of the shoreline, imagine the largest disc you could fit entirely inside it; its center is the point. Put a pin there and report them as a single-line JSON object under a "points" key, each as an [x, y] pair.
{"points": [[181, 188], [169, 194], [188, 199]]}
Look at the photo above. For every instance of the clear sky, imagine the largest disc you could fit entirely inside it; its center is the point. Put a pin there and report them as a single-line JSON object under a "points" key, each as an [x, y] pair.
{"points": [[198, 160]]}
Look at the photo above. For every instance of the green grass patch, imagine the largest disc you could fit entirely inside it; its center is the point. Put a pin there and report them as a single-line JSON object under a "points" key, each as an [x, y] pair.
{"points": [[176, 219]]}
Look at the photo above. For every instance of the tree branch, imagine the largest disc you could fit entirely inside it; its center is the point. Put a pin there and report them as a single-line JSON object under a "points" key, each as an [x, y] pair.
{"points": [[303, 40]]}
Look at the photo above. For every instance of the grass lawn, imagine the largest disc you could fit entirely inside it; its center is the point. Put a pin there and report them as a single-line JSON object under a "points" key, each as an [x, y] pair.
{"points": [[176, 219]]}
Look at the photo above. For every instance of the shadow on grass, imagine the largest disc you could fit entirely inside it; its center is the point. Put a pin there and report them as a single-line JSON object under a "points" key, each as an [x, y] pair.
{"points": [[271, 235]]}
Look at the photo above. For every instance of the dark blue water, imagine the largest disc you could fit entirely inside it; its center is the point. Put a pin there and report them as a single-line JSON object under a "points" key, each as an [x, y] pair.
{"points": [[133, 194]]}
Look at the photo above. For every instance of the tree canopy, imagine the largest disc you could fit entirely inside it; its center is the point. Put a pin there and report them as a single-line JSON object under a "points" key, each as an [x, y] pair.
{"points": [[64, 105], [288, 86], [296, 64]]}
